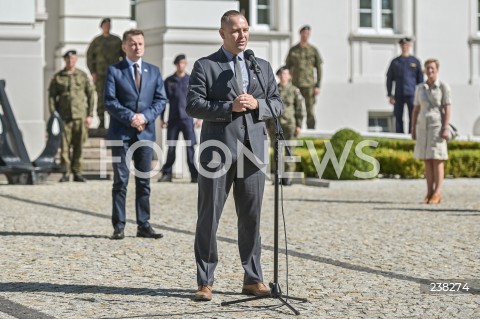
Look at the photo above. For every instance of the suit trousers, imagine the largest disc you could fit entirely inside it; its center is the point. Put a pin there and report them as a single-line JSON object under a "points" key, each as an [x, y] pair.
{"points": [[142, 158], [173, 130], [248, 196], [400, 102]]}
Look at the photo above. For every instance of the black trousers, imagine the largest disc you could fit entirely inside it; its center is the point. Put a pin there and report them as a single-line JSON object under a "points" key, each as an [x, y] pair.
{"points": [[173, 130], [400, 102]]}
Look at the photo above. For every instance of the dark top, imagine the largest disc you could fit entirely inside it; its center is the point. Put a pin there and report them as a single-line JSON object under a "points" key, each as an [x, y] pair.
{"points": [[176, 89], [406, 72]]}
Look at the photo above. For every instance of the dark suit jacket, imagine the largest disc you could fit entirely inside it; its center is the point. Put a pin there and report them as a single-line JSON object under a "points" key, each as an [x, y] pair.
{"points": [[212, 91], [123, 100]]}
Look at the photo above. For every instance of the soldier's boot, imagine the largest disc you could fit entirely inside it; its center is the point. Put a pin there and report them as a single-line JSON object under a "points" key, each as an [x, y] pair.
{"points": [[65, 178], [79, 178]]}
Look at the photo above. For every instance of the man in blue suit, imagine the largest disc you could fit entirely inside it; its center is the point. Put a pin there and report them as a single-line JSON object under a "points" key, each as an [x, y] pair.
{"points": [[406, 72], [134, 97]]}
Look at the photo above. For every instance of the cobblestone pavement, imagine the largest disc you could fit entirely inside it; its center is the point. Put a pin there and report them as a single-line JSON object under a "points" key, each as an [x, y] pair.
{"points": [[356, 250]]}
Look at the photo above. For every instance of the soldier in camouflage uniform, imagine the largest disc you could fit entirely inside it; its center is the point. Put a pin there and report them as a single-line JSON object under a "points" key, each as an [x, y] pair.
{"points": [[71, 94], [292, 116], [303, 60], [104, 50]]}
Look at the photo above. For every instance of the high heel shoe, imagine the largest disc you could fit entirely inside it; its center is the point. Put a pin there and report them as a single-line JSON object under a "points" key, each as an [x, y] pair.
{"points": [[426, 199], [435, 199]]}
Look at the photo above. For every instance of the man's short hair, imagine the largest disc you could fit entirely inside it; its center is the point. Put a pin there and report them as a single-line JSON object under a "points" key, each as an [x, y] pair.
{"points": [[404, 40], [226, 16], [179, 58], [69, 53], [104, 20], [131, 33], [281, 69], [305, 27]]}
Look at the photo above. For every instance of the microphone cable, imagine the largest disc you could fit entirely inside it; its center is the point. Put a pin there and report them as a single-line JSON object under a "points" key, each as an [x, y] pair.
{"points": [[279, 136], [284, 231]]}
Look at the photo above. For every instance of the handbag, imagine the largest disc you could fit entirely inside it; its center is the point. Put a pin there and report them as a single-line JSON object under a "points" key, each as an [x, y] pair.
{"points": [[452, 132]]}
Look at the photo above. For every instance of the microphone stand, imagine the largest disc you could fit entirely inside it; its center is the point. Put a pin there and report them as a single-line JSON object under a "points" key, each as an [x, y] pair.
{"points": [[275, 290]]}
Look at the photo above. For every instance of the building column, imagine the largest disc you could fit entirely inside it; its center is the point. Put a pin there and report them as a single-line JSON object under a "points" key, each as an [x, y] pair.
{"points": [[21, 61]]}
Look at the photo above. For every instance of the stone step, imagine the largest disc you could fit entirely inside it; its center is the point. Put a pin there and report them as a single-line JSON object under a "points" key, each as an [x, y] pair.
{"points": [[94, 153], [94, 142]]}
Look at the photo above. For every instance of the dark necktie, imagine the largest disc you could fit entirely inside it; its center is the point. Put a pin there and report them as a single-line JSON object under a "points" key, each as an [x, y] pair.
{"points": [[238, 73], [137, 75]]}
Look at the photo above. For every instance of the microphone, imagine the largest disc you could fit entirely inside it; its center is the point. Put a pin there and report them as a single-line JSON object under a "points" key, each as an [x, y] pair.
{"points": [[250, 56]]}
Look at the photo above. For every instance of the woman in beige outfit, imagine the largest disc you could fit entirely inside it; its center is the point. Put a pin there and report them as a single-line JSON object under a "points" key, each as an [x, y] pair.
{"points": [[430, 122]]}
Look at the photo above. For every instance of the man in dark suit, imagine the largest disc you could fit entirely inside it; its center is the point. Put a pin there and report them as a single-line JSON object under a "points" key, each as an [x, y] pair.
{"points": [[134, 97], [406, 72], [176, 88], [228, 96]]}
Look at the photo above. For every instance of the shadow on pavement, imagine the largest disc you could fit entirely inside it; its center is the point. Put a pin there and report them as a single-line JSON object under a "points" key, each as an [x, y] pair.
{"points": [[96, 289], [40, 234], [205, 313], [291, 253], [461, 211], [343, 201]]}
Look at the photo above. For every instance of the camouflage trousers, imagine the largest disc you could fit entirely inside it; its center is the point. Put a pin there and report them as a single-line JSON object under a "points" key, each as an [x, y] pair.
{"points": [[99, 87], [309, 97], [73, 138]]}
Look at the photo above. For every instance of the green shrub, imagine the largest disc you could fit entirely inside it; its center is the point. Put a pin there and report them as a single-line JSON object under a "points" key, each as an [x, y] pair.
{"points": [[463, 163], [395, 157], [463, 145], [306, 164], [339, 141], [399, 145], [402, 163]]}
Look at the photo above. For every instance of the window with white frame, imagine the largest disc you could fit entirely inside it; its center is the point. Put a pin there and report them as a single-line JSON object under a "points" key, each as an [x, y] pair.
{"points": [[258, 13], [376, 16], [133, 5], [478, 16], [379, 121]]}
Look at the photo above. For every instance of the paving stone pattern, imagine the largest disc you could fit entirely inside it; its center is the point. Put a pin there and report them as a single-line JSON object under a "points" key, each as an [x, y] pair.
{"points": [[356, 250]]}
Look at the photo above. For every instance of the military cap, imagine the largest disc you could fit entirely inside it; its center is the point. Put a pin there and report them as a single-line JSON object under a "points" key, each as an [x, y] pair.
{"points": [[70, 53], [105, 20], [404, 40], [179, 58], [282, 68], [305, 27]]}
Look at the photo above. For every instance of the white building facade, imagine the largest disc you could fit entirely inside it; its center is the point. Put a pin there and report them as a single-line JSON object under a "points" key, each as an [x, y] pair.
{"points": [[356, 38]]}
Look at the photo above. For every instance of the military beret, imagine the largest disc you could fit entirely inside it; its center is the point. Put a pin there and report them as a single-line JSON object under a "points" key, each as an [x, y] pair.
{"points": [[282, 68], [104, 20], [70, 53], [404, 40], [305, 27], [178, 58]]}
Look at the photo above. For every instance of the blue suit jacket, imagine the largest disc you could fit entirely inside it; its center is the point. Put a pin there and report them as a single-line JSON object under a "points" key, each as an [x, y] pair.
{"points": [[123, 100]]}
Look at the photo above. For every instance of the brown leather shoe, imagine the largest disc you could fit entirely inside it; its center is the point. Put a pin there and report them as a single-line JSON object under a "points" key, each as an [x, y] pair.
{"points": [[204, 293], [258, 289], [435, 199]]}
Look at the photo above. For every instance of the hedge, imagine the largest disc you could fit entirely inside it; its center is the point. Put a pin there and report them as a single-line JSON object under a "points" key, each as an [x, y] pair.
{"points": [[394, 156]]}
